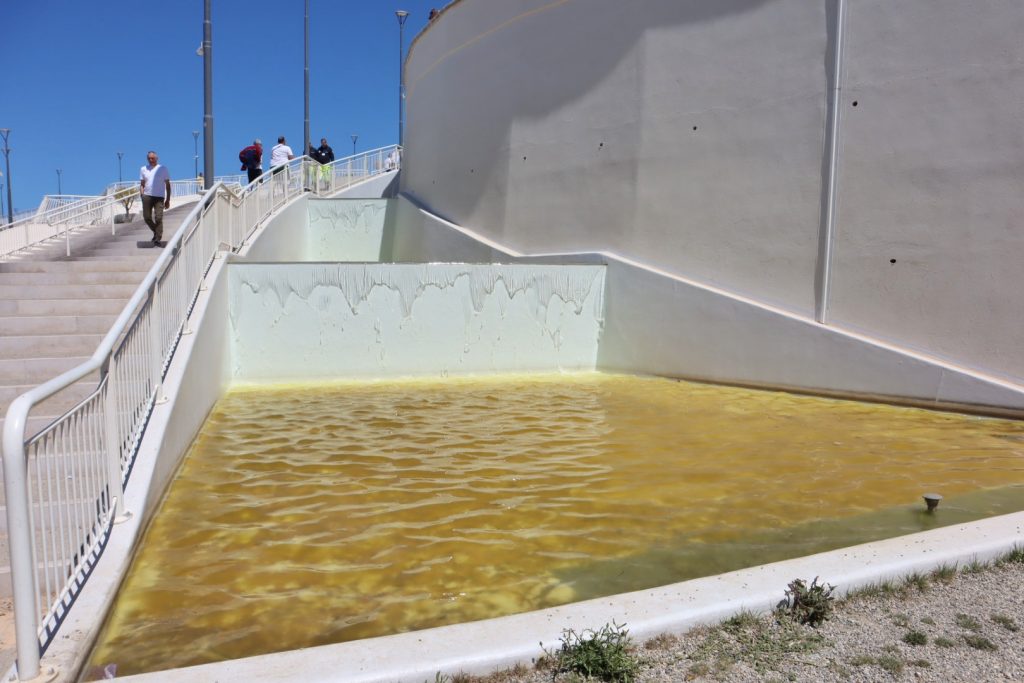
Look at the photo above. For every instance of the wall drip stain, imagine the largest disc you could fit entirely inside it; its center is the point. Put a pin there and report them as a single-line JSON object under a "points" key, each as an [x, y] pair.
{"points": [[315, 514]]}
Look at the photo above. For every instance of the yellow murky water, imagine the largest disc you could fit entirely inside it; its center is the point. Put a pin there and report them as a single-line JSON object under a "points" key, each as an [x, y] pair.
{"points": [[318, 514]]}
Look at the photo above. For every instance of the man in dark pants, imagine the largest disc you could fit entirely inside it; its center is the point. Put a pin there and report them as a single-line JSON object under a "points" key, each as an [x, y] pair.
{"points": [[155, 188], [253, 159]]}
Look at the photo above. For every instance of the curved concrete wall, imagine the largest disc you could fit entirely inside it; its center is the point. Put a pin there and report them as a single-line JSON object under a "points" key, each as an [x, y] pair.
{"points": [[692, 137]]}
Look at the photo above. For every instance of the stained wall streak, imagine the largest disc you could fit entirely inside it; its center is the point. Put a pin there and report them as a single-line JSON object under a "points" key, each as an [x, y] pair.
{"points": [[304, 321]]}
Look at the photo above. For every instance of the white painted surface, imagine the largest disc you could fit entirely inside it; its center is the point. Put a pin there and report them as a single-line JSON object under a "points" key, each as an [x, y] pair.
{"points": [[484, 646], [932, 174], [317, 321], [283, 237], [659, 324], [346, 229], [569, 126]]}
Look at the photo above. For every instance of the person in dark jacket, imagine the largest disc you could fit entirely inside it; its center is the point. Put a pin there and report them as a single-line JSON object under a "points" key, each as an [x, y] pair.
{"points": [[325, 155]]}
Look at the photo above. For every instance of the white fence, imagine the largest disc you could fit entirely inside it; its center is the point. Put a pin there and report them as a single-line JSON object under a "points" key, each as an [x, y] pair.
{"points": [[64, 486]]}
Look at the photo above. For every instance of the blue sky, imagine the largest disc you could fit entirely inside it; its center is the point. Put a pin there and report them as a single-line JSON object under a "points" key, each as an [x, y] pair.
{"points": [[80, 81]]}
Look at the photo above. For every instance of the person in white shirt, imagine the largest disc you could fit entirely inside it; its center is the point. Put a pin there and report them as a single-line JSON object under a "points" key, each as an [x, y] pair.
{"points": [[280, 154], [155, 188]]}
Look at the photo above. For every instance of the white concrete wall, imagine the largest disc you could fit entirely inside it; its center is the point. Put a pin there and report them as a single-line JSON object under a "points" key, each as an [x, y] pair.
{"points": [[346, 229], [690, 136], [684, 134], [661, 325], [293, 322], [284, 237], [930, 236], [658, 324]]}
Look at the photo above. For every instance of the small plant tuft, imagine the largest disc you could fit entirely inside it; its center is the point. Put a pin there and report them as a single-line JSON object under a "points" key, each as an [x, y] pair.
{"points": [[891, 663], [922, 663], [975, 566], [918, 581], [741, 621], [603, 654], [661, 641], [928, 620], [1006, 622], [944, 573], [967, 622], [862, 660], [980, 642], [915, 638], [942, 641], [901, 620], [805, 604]]}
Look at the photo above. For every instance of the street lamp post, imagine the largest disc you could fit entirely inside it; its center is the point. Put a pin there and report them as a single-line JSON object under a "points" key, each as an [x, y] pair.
{"points": [[59, 192], [402, 16], [305, 128], [207, 96], [1, 194], [354, 138], [5, 132], [195, 157], [120, 178]]}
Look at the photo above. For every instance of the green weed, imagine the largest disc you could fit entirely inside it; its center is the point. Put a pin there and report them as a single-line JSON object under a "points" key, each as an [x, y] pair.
{"points": [[967, 622], [1006, 622], [980, 642], [915, 638], [603, 654], [805, 604]]}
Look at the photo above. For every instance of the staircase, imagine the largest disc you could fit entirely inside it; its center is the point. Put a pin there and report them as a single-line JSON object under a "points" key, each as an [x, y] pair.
{"points": [[54, 311]]}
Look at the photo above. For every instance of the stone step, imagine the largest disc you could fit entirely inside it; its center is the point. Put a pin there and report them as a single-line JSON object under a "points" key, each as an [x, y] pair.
{"points": [[35, 371], [117, 277], [140, 264], [43, 307], [16, 292], [58, 324], [51, 408], [34, 426], [49, 346]]}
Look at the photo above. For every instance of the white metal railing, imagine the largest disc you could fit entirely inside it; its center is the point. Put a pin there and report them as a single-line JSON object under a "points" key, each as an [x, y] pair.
{"points": [[55, 217], [61, 214], [64, 486], [182, 188]]}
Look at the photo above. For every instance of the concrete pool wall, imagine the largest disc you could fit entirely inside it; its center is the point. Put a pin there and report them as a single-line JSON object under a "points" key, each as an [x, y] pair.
{"points": [[652, 323]]}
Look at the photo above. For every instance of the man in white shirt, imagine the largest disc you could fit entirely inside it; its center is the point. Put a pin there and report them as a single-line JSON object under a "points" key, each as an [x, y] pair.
{"points": [[155, 187], [280, 154]]}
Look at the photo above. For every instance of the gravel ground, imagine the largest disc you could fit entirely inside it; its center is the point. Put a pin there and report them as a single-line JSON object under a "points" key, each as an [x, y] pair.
{"points": [[968, 626]]}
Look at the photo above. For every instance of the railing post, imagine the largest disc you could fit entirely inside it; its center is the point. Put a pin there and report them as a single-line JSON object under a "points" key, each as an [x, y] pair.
{"points": [[156, 357], [19, 539], [115, 480]]}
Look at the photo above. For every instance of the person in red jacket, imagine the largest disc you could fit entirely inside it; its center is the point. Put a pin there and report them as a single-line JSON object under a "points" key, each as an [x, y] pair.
{"points": [[252, 159]]}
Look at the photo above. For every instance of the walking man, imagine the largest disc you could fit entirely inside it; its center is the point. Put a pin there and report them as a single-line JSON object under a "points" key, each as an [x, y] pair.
{"points": [[155, 188]]}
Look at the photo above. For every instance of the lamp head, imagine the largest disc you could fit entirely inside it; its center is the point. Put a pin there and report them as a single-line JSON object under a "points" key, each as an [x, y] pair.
{"points": [[402, 16]]}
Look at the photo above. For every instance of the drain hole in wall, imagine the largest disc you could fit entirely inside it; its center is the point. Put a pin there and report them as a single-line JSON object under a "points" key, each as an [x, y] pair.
{"points": [[695, 127], [601, 145], [892, 260], [855, 103]]}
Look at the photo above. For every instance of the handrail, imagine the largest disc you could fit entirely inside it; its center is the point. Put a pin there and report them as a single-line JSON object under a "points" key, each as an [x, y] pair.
{"points": [[40, 227], [48, 223], [94, 444]]}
